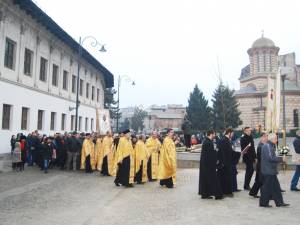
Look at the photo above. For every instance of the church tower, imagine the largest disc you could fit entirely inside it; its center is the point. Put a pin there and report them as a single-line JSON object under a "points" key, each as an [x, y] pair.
{"points": [[255, 81], [263, 57]]}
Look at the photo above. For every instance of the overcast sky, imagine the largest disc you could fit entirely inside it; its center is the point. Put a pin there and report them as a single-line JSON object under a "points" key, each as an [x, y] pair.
{"points": [[168, 46]]}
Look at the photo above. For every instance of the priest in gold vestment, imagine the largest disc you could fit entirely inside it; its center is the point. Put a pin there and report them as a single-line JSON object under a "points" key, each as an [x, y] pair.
{"points": [[124, 161], [167, 161], [98, 149], [105, 159], [153, 147], [88, 154], [141, 156]]}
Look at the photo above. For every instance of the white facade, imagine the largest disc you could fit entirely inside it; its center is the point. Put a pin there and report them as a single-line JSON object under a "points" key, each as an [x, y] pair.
{"points": [[18, 89]]}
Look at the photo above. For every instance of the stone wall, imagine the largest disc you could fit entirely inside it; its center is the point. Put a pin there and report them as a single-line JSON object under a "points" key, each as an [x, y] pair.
{"points": [[259, 83], [253, 110]]}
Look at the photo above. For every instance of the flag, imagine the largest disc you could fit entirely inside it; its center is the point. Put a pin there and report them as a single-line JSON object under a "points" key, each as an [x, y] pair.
{"points": [[276, 124], [270, 104], [273, 102]]}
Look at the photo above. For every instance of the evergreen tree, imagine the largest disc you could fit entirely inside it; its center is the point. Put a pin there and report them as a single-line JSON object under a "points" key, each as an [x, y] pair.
{"points": [[225, 108], [110, 103], [198, 111], [137, 121], [125, 124]]}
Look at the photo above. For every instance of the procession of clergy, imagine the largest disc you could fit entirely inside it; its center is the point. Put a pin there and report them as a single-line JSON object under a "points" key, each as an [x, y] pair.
{"points": [[218, 167], [149, 160], [140, 162]]}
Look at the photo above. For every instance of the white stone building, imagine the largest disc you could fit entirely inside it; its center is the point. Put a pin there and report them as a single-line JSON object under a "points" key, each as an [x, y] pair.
{"points": [[38, 75]]}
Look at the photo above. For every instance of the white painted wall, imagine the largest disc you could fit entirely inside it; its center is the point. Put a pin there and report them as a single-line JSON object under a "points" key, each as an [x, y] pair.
{"points": [[27, 33], [19, 97], [20, 90]]}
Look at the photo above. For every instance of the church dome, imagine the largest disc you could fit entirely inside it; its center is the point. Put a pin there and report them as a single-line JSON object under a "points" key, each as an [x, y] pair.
{"points": [[263, 42]]}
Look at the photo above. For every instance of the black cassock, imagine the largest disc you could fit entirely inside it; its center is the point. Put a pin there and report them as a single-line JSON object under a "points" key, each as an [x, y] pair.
{"points": [[224, 165], [104, 169], [123, 172], [208, 182], [258, 176]]}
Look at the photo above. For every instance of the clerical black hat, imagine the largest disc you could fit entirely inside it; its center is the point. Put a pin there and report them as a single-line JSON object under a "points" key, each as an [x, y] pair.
{"points": [[126, 131]]}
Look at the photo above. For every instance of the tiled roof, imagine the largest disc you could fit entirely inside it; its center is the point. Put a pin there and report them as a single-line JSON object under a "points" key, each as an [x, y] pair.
{"points": [[166, 115]]}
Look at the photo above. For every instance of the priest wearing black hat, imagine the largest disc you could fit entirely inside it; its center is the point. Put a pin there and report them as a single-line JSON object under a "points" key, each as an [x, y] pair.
{"points": [[125, 161]]}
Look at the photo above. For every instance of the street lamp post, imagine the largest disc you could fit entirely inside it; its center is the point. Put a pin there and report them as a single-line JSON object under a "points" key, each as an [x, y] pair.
{"points": [[128, 79], [283, 77], [149, 122], [94, 43]]}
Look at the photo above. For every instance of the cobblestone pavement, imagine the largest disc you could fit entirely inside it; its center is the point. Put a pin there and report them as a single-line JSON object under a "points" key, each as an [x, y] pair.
{"points": [[60, 198]]}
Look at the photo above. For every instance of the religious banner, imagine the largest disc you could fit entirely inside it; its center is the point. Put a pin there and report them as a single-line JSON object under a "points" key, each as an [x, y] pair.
{"points": [[103, 121], [273, 103], [270, 104], [276, 124]]}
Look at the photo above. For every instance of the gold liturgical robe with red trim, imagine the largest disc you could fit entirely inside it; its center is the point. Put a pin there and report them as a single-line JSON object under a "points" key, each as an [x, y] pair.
{"points": [[125, 150], [153, 147], [141, 155], [167, 160], [98, 151], [106, 149], [88, 148]]}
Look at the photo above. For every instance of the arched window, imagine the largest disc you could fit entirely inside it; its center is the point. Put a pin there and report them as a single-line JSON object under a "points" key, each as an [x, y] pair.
{"points": [[296, 118], [257, 62], [253, 86], [270, 61], [264, 61]]}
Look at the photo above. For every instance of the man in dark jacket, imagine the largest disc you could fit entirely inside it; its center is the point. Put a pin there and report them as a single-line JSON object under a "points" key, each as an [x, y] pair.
{"points": [[225, 154], [61, 149], [46, 153], [186, 128], [73, 149], [208, 182], [296, 176], [32, 146], [270, 189], [258, 178], [249, 155]]}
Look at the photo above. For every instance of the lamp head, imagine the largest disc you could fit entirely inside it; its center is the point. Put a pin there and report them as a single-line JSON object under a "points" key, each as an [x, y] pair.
{"points": [[283, 77], [133, 83], [102, 49]]}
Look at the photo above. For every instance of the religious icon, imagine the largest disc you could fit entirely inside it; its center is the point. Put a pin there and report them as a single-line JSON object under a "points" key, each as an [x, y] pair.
{"points": [[104, 121]]}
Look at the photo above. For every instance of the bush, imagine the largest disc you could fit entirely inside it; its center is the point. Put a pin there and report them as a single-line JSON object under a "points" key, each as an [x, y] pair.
{"points": [[292, 133]]}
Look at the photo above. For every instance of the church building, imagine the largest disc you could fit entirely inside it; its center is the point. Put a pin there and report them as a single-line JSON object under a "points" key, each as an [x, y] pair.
{"points": [[252, 96]]}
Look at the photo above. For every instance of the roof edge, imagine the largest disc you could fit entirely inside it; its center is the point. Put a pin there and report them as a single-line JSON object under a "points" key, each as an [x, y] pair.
{"points": [[38, 14]]}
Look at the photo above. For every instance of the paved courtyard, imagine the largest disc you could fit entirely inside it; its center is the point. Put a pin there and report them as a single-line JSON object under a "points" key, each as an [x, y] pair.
{"points": [[58, 198]]}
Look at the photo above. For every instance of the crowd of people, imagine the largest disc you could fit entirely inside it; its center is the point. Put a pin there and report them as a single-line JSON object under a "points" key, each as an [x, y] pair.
{"points": [[218, 167], [45, 151], [139, 159], [130, 158]]}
